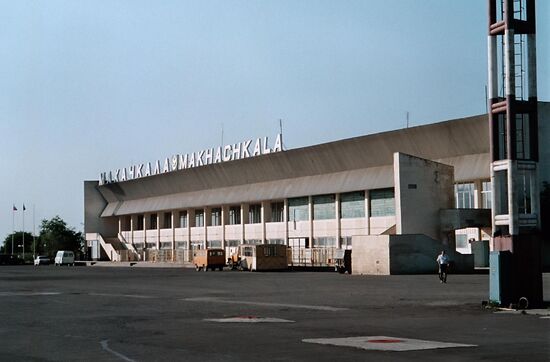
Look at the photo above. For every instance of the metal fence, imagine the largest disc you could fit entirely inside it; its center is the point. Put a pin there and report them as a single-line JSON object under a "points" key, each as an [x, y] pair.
{"points": [[313, 257]]}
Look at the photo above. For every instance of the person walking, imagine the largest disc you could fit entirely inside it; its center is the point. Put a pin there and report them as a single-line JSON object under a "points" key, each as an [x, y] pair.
{"points": [[443, 263]]}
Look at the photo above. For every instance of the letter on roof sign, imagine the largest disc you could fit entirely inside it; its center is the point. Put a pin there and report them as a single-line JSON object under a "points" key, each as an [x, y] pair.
{"points": [[182, 161], [199, 158], [227, 153], [246, 145], [257, 148]]}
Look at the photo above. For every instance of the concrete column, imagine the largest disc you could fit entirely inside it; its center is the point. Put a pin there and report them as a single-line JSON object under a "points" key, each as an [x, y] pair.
{"points": [[262, 212], [477, 194], [173, 224], [310, 212], [188, 219], [158, 230], [367, 211], [338, 221], [120, 224], [206, 219], [492, 84], [132, 221], [223, 215], [509, 63], [146, 225], [285, 219], [242, 224]]}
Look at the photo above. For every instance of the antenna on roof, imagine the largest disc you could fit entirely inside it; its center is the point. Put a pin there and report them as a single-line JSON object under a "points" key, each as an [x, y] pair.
{"points": [[281, 131], [222, 136], [407, 119]]}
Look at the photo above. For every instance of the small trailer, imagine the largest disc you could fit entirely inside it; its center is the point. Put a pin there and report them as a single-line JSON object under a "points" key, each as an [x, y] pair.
{"points": [[259, 257], [212, 259]]}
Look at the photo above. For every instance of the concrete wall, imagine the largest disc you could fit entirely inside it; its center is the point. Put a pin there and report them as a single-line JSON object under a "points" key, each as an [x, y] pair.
{"points": [[95, 203], [422, 189], [371, 255], [403, 254]]}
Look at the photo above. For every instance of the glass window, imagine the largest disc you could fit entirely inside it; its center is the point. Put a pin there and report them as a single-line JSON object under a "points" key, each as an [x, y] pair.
{"points": [[464, 193], [522, 137], [216, 216], [298, 209], [382, 202], [324, 242], [199, 217], [214, 244], [346, 242], [167, 220], [253, 241], [234, 215], [486, 194], [324, 207], [153, 221], [255, 214], [352, 205], [525, 180], [140, 225], [277, 211], [461, 241], [181, 245], [183, 219], [232, 242], [276, 241]]}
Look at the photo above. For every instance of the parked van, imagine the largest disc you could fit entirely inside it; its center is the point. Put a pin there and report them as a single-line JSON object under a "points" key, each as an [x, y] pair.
{"points": [[205, 259], [64, 257]]}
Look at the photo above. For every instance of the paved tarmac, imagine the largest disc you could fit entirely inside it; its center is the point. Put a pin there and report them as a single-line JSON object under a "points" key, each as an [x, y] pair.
{"points": [[169, 314]]}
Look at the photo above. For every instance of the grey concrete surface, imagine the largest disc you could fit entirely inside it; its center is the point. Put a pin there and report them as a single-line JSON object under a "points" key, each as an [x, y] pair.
{"points": [[155, 314]]}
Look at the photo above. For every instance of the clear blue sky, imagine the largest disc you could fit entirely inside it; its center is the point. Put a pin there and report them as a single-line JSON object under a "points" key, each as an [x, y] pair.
{"points": [[88, 86]]}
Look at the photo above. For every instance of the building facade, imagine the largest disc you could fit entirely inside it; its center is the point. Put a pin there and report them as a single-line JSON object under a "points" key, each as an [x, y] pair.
{"points": [[312, 198]]}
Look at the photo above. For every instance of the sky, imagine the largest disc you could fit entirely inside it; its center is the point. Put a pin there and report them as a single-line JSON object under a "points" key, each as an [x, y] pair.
{"points": [[92, 86]]}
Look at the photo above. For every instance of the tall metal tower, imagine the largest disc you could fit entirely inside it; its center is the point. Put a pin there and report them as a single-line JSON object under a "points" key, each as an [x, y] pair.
{"points": [[513, 124]]}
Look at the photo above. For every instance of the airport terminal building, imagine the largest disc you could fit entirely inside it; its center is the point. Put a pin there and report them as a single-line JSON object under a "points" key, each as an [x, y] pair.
{"points": [[421, 188]]}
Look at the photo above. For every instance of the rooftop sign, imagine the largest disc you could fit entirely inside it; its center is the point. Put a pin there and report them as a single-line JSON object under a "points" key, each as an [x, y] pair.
{"points": [[209, 156]]}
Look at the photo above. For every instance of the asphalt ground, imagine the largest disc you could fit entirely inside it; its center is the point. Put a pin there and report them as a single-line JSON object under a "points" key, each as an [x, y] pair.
{"points": [[160, 314]]}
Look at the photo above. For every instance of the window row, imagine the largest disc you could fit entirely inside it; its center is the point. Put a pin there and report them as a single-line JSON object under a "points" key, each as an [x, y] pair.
{"points": [[351, 205]]}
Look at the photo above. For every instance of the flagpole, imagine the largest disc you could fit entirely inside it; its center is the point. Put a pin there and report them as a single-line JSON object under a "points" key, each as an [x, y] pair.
{"points": [[33, 234], [12, 226], [23, 233]]}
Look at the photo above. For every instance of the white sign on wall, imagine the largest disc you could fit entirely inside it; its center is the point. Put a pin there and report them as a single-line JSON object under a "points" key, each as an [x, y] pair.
{"points": [[209, 156]]}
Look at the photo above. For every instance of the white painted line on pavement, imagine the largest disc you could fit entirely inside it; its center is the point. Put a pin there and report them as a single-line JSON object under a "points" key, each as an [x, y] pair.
{"points": [[383, 343], [122, 295], [249, 319], [27, 294], [263, 304], [105, 346]]}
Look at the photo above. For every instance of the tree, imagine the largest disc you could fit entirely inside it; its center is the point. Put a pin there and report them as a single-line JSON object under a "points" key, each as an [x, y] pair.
{"points": [[18, 243], [56, 235]]}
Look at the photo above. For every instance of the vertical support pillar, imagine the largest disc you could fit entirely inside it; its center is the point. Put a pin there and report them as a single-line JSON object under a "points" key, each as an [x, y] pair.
{"points": [[223, 216], [310, 214], [285, 219], [173, 233], [158, 230], [367, 211], [338, 221], [206, 219], [262, 212], [243, 236], [132, 218]]}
